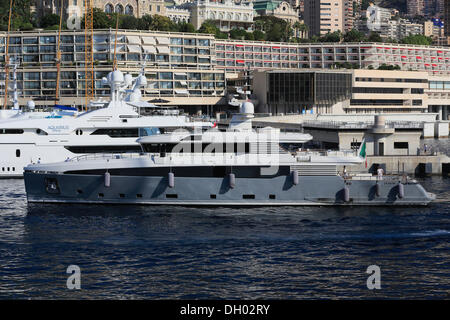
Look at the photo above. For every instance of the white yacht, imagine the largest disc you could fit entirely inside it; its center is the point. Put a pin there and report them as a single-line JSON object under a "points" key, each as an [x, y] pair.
{"points": [[113, 128], [239, 167]]}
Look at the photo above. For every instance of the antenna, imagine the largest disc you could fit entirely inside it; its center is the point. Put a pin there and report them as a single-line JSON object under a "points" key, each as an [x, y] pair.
{"points": [[7, 56], [115, 43], [88, 51], [58, 53]]}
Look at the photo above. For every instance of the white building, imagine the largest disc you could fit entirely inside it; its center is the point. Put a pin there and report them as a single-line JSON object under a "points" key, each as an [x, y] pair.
{"points": [[227, 14]]}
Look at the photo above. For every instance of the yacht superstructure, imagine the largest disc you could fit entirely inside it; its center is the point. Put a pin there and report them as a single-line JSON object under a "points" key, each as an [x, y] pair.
{"points": [[113, 128], [239, 167]]}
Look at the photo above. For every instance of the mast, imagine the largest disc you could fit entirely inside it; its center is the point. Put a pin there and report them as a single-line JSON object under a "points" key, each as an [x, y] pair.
{"points": [[88, 51], [7, 56], [115, 43], [58, 53]]}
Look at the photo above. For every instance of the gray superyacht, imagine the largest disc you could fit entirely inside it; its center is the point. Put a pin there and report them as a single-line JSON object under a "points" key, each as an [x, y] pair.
{"points": [[238, 167]]}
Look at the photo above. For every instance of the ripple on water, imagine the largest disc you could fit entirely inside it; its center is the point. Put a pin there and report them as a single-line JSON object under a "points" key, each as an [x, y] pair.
{"points": [[249, 253]]}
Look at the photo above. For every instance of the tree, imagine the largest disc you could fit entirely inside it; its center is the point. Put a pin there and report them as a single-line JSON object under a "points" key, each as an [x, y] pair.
{"points": [[238, 34], [417, 39], [186, 27], [258, 35], [161, 23], [128, 22], [276, 29], [21, 15], [374, 37], [388, 67], [145, 22], [101, 20], [208, 27], [49, 20], [331, 37], [354, 36]]}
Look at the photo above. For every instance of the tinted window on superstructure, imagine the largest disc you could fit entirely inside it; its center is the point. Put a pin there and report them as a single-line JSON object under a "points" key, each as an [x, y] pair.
{"points": [[118, 132]]}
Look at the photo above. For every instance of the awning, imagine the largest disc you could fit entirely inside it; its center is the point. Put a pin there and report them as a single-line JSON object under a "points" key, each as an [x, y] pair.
{"points": [[148, 40], [100, 38], [163, 50], [119, 48], [180, 73], [183, 83], [149, 49], [100, 47], [181, 91], [134, 39], [134, 48], [163, 40]]}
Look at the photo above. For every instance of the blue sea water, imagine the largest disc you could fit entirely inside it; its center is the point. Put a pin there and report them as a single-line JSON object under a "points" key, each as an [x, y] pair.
{"points": [[144, 252]]}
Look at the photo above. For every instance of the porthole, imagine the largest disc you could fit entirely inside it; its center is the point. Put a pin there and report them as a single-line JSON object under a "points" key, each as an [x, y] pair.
{"points": [[139, 195], [212, 196], [171, 196], [122, 195], [248, 196], [18, 153], [272, 196], [101, 195], [79, 191]]}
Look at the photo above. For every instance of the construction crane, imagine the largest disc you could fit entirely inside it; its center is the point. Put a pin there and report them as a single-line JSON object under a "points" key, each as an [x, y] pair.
{"points": [[58, 54], [88, 50], [7, 57]]}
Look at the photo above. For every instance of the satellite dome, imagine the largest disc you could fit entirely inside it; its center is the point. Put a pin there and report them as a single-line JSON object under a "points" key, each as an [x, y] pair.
{"points": [[128, 79], [31, 104], [117, 77], [247, 108]]}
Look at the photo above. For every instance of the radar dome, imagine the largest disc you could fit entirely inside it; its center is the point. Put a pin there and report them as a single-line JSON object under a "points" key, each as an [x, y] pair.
{"points": [[128, 79], [247, 108], [31, 104], [117, 77], [142, 81]]}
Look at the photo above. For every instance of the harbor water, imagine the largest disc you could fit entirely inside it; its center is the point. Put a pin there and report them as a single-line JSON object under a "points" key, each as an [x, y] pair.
{"points": [[144, 252]]}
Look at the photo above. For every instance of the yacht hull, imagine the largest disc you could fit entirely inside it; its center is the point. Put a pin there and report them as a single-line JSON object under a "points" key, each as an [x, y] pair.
{"points": [[198, 191]]}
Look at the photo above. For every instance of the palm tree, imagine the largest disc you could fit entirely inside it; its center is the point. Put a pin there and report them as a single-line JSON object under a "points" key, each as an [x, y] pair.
{"points": [[296, 27], [304, 30]]}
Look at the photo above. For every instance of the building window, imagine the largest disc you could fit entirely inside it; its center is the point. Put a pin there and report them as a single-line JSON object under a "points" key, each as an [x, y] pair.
{"points": [[401, 145], [129, 10], [109, 8], [119, 9]]}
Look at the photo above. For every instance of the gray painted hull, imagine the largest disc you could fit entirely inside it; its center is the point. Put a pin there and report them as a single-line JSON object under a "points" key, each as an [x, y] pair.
{"points": [[195, 191]]}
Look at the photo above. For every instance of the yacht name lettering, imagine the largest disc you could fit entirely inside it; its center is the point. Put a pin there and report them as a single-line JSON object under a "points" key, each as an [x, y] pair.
{"points": [[58, 127]]}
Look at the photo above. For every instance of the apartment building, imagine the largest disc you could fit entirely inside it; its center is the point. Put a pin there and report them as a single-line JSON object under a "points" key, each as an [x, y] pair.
{"points": [[190, 70], [237, 55], [178, 65], [415, 7], [324, 16]]}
